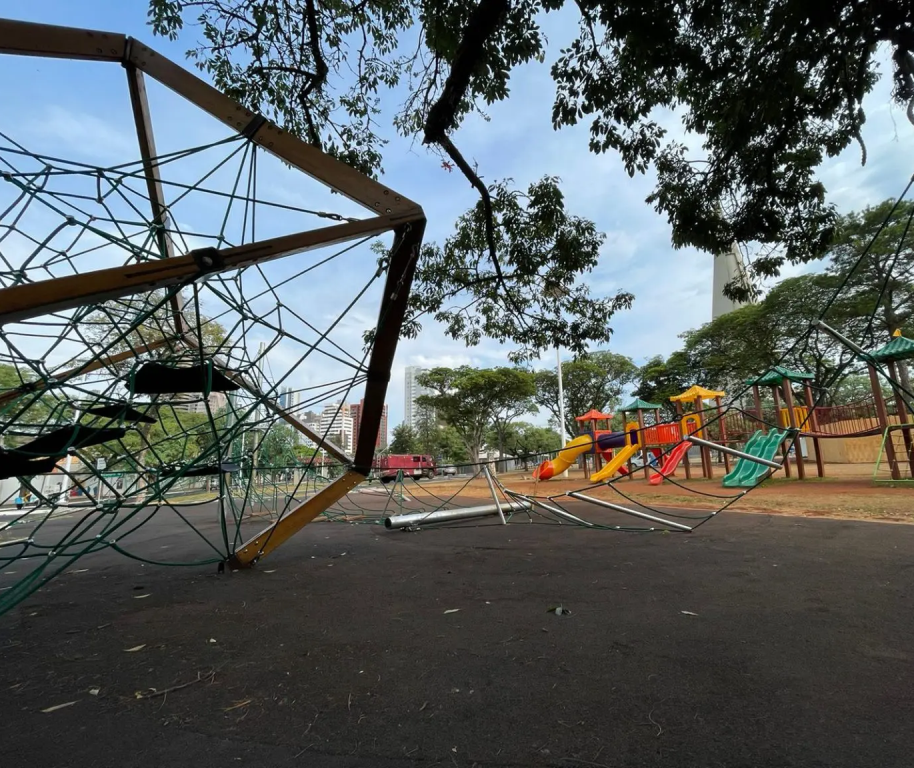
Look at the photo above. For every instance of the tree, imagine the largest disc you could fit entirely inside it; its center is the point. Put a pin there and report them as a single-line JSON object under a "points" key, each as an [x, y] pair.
{"points": [[141, 319], [731, 348], [858, 388], [659, 380], [450, 447], [531, 294], [769, 87], [277, 449], [747, 342], [176, 439], [529, 442], [515, 390], [595, 380], [305, 454], [882, 284], [404, 440], [793, 306], [28, 409], [427, 431], [469, 400]]}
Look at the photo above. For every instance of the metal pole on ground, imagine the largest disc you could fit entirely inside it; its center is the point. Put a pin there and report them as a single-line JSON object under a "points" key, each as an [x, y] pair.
{"points": [[501, 514]]}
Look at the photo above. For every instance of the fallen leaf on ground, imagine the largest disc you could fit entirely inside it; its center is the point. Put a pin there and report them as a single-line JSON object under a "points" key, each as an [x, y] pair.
{"points": [[94, 691], [135, 648], [58, 706], [559, 610], [140, 597], [452, 610], [688, 613]]}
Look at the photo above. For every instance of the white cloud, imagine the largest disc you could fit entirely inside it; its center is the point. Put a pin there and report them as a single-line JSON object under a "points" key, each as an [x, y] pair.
{"points": [[79, 135]]}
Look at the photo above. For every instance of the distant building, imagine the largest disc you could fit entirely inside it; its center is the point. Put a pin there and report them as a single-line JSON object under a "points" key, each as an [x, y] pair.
{"points": [[288, 399], [412, 390], [336, 425], [217, 401], [355, 412]]}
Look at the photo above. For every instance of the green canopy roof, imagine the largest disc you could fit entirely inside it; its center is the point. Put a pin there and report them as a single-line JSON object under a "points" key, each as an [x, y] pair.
{"points": [[776, 375], [898, 348], [634, 405]]}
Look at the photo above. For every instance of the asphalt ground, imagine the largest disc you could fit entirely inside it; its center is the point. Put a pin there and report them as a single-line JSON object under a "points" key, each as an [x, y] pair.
{"points": [[756, 641]]}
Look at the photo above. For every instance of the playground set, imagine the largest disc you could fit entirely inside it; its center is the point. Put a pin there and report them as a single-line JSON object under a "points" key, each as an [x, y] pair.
{"points": [[755, 436]]}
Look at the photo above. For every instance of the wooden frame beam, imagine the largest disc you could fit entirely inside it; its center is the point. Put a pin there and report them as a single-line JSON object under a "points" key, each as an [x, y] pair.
{"points": [[22, 302], [143, 120], [26, 38], [291, 523], [402, 266], [343, 178]]}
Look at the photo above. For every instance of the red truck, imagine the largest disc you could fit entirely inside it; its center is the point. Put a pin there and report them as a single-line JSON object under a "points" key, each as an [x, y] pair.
{"points": [[412, 465]]}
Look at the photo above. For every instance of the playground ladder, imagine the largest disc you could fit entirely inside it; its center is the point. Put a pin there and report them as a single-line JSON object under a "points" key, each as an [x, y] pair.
{"points": [[901, 469]]}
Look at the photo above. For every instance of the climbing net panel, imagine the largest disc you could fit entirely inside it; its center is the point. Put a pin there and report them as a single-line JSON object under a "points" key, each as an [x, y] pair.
{"points": [[181, 325]]}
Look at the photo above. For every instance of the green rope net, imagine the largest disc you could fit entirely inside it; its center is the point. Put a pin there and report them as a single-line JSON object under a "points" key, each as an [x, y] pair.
{"points": [[169, 409]]}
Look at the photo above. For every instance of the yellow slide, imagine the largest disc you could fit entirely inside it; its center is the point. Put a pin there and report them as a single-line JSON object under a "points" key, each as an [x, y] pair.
{"points": [[565, 458], [620, 458]]}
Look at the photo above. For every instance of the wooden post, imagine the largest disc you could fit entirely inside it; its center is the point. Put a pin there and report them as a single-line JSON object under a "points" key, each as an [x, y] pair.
{"points": [[883, 416], [814, 426], [685, 456], [698, 408], [644, 451], [777, 418], [792, 420], [723, 433], [160, 218], [903, 414], [757, 395], [597, 459]]}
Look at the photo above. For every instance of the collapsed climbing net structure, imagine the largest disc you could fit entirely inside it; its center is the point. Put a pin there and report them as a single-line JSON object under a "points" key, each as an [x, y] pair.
{"points": [[172, 318]]}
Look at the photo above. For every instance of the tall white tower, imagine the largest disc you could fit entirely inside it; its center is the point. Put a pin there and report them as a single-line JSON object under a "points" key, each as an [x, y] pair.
{"points": [[728, 267]]}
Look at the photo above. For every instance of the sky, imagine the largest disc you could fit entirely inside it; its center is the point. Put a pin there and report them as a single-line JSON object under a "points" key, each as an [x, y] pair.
{"points": [[82, 111]]}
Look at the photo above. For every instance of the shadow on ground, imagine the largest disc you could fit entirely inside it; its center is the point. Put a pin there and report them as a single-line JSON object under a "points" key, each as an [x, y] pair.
{"points": [[757, 642]]}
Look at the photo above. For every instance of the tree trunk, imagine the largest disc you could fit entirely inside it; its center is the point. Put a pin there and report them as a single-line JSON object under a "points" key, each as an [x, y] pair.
{"points": [[903, 376]]}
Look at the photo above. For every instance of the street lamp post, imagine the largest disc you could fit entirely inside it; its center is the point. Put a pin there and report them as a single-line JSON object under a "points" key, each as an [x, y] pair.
{"points": [[558, 359]]}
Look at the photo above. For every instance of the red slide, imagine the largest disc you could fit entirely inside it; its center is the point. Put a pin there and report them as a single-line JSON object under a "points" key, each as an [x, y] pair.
{"points": [[672, 461]]}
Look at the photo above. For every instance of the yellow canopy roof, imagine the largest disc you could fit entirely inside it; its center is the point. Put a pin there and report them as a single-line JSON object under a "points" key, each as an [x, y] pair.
{"points": [[695, 392]]}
